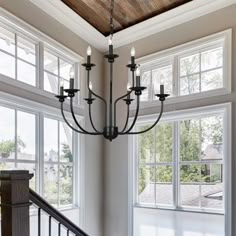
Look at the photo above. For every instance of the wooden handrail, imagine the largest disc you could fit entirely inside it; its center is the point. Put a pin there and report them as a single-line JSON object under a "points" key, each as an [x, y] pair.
{"points": [[55, 214]]}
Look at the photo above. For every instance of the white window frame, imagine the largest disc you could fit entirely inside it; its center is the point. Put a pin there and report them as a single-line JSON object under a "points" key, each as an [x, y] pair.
{"points": [[41, 111], [224, 108], [172, 55], [19, 27]]}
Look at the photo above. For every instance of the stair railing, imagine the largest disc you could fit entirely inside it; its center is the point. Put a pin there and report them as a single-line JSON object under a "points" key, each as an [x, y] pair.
{"points": [[16, 198]]}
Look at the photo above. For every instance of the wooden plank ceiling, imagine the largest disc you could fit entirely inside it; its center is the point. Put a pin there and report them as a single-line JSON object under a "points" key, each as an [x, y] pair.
{"points": [[126, 12]]}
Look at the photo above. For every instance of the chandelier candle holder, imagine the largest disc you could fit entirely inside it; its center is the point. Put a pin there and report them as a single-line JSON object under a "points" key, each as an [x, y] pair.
{"points": [[110, 130]]}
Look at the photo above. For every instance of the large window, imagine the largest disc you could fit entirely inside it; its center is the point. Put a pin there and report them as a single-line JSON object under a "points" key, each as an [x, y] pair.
{"points": [[33, 61], [195, 68], [24, 133], [181, 162]]}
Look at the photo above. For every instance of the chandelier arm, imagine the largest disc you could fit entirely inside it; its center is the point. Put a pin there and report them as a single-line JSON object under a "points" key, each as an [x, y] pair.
{"points": [[75, 120], [63, 116], [135, 117], [127, 119], [104, 101], [91, 120], [146, 130], [123, 96]]}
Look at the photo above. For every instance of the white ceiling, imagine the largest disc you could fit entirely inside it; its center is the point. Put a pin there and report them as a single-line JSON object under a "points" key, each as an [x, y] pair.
{"points": [[83, 29]]}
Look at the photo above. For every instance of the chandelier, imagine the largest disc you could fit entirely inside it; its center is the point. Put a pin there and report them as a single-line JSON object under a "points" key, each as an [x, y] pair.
{"points": [[110, 130]]}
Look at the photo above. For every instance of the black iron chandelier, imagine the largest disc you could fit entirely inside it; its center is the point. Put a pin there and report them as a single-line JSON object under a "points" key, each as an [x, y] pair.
{"points": [[110, 130]]}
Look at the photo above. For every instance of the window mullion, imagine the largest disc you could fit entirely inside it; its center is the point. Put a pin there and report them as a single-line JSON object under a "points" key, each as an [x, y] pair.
{"points": [[16, 139], [176, 184], [58, 166], [16, 56], [40, 128], [40, 65], [175, 74]]}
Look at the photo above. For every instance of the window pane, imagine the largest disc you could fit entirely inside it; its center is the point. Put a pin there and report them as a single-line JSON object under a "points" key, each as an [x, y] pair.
{"points": [[7, 133], [26, 136], [164, 142], [212, 58], [65, 68], [212, 80], [189, 65], [164, 185], [50, 83], [7, 65], [190, 143], [26, 73], [26, 50], [66, 185], [212, 138], [51, 183], [189, 85], [7, 166], [163, 75], [212, 186], [147, 185], [190, 185], [50, 63], [32, 169], [146, 82], [7, 41], [50, 139], [146, 144], [65, 143]]}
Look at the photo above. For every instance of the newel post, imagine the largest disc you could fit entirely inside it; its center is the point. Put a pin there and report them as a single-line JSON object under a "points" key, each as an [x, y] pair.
{"points": [[15, 203]]}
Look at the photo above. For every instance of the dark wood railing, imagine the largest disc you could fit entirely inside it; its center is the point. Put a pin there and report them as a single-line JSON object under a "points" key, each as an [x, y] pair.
{"points": [[16, 198]]}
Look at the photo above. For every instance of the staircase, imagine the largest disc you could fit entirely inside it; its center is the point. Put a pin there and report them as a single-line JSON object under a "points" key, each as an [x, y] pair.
{"points": [[16, 198]]}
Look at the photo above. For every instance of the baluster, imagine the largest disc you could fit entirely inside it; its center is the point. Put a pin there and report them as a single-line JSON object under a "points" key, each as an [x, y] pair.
{"points": [[39, 222], [59, 229], [50, 226], [68, 232]]}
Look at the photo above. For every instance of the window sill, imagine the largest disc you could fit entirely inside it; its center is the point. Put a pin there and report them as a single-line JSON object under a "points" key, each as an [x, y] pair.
{"points": [[181, 99], [37, 91], [180, 209], [34, 212]]}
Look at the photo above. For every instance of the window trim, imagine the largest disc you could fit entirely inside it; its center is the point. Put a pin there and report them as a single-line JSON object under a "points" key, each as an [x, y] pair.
{"points": [[41, 111], [176, 115], [172, 54], [25, 30]]}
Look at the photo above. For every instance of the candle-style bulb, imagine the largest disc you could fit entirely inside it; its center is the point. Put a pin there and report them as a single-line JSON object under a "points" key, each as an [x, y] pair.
{"points": [[62, 83], [72, 72], [128, 86], [138, 71], [162, 80], [110, 40], [132, 52], [89, 51], [90, 85]]}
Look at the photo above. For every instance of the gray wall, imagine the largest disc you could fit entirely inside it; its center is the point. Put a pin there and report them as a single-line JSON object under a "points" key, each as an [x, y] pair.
{"points": [[116, 158], [94, 156]]}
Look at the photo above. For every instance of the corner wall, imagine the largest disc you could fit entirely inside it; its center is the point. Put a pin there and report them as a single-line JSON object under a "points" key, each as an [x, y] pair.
{"points": [[116, 153], [93, 163]]}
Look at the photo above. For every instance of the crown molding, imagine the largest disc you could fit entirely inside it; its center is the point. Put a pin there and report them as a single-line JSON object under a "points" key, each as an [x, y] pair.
{"points": [[189, 11]]}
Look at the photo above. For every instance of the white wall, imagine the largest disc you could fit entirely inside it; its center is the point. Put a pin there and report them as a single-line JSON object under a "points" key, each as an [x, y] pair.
{"points": [[116, 158], [93, 163]]}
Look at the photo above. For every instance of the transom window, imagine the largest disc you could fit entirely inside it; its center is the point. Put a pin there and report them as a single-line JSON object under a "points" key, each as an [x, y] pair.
{"points": [[35, 62], [181, 162], [194, 68], [26, 133]]}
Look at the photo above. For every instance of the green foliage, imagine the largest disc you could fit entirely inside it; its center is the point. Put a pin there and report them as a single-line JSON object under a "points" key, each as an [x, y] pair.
{"points": [[67, 152], [8, 146], [156, 146]]}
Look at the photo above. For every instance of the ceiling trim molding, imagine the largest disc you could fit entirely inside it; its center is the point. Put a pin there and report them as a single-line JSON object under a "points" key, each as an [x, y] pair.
{"points": [[189, 11]]}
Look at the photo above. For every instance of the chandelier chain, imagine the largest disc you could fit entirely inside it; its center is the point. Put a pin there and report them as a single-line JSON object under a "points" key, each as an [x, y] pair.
{"points": [[111, 18]]}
